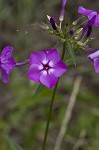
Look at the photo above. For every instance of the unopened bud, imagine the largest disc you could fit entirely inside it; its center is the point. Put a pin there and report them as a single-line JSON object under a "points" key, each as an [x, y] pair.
{"points": [[71, 31], [62, 10], [52, 22]]}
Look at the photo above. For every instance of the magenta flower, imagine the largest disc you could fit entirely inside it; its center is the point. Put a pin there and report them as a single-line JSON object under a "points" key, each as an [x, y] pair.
{"points": [[94, 57], [90, 14], [45, 67], [62, 10], [7, 63]]}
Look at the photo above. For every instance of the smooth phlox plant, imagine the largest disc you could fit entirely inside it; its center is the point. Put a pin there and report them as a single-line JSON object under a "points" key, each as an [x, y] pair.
{"points": [[47, 66]]}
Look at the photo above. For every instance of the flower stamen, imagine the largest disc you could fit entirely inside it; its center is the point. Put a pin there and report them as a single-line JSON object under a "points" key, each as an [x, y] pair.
{"points": [[46, 67]]}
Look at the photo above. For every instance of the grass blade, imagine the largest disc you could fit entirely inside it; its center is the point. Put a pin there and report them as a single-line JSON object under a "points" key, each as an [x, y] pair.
{"points": [[13, 145]]}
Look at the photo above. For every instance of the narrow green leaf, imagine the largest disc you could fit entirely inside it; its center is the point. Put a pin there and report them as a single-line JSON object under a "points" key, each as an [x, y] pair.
{"points": [[70, 62], [13, 145], [71, 52], [39, 89]]}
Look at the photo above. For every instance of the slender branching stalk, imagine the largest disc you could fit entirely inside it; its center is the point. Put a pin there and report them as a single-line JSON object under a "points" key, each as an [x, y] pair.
{"points": [[51, 105]]}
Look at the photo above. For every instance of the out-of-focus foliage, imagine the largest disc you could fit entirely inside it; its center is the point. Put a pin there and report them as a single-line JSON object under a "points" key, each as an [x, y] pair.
{"points": [[23, 116]]}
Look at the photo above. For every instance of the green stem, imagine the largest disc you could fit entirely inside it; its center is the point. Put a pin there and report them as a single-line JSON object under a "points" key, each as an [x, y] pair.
{"points": [[51, 104], [49, 116], [63, 52], [60, 24]]}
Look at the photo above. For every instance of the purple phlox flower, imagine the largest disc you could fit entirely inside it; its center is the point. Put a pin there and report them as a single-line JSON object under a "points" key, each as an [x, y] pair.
{"points": [[7, 63], [46, 67], [53, 23], [87, 29], [62, 10], [90, 14], [94, 57]]}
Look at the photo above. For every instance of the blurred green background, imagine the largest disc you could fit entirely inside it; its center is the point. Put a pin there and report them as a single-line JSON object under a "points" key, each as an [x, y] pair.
{"points": [[23, 117]]}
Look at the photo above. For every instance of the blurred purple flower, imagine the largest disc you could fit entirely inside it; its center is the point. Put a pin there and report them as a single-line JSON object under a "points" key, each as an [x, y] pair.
{"points": [[94, 57], [45, 67], [90, 14], [7, 63], [62, 10]]}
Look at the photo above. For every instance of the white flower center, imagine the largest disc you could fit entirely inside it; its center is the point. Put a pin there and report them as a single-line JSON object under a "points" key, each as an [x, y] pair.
{"points": [[50, 71], [44, 72], [40, 67], [51, 63], [45, 61]]}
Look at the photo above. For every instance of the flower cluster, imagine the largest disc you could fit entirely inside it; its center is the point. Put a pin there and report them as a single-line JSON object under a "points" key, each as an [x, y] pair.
{"points": [[93, 17], [80, 36], [46, 66]]}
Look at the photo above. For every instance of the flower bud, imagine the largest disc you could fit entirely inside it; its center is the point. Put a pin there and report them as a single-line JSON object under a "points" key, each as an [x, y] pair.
{"points": [[71, 31], [62, 10], [52, 22]]}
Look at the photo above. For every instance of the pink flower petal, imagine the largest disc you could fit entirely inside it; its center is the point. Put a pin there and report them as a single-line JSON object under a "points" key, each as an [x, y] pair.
{"points": [[53, 56], [8, 65], [94, 55], [7, 52], [58, 69], [90, 14], [97, 20], [48, 80], [34, 73], [5, 76], [37, 57], [96, 65], [86, 12]]}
